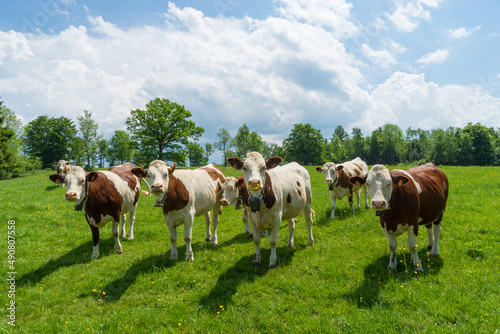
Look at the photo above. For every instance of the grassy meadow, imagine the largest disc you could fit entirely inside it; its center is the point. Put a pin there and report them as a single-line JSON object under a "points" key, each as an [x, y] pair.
{"points": [[341, 284]]}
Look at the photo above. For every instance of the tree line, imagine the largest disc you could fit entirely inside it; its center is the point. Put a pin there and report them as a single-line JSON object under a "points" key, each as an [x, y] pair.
{"points": [[164, 131]]}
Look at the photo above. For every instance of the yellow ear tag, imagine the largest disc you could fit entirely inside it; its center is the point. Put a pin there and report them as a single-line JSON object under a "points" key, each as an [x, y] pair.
{"points": [[400, 183]]}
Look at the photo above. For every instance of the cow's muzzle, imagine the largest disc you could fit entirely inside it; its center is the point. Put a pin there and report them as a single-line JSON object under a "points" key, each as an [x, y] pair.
{"points": [[70, 197], [224, 202]]}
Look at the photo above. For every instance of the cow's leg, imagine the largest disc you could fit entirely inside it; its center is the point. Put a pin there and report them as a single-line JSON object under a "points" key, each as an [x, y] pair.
{"points": [[131, 220], [393, 246], [248, 231], [188, 236], [256, 242], [207, 221], [334, 204], [436, 231], [430, 237], [358, 198], [123, 219], [308, 215], [351, 204], [366, 197], [215, 223], [273, 242], [173, 239], [291, 230], [412, 246], [95, 239], [114, 231]]}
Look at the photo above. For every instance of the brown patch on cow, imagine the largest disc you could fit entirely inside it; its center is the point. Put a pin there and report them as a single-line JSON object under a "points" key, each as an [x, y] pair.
{"points": [[216, 174], [357, 170], [407, 206], [242, 188], [298, 183], [268, 198], [298, 191], [289, 199], [177, 197], [103, 199], [125, 173], [343, 180]]}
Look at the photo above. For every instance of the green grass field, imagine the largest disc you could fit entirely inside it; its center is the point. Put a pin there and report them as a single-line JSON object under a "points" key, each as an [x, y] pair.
{"points": [[341, 284]]}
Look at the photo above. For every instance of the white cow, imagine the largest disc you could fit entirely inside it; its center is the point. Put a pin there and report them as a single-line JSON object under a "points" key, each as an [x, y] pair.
{"points": [[275, 194], [337, 177], [184, 195]]}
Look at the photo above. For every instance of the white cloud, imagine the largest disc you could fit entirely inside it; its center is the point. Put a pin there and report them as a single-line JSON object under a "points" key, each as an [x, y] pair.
{"points": [[14, 45], [407, 14], [382, 57], [436, 57], [462, 32]]}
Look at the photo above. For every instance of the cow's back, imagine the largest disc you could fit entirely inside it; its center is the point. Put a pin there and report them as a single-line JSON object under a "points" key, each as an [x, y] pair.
{"points": [[434, 185], [292, 188], [122, 183]]}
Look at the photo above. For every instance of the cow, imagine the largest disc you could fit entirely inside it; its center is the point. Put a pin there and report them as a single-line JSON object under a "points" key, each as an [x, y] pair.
{"points": [[63, 167], [406, 199], [234, 192], [185, 194], [105, 196], [276, 193], [337, 178]]}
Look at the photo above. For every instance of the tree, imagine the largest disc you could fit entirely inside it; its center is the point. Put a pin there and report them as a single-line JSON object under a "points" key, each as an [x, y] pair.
{"points": [[6, 151], [49, 139], [208, 152], [246, 141], [195, 154], [162, 129], [374, 153], [304, 145], [358, 145], [88, 132], [120, 148], [391, 144], [224, 143], [417, 144], [483, 152], [102, 151]]}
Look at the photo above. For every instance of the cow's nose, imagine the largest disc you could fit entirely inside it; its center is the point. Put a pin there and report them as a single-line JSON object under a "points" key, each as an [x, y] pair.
{"points": [[254, 184], [70, 196], [378, 204], [328, 181], [156, 186], [224, 202]]}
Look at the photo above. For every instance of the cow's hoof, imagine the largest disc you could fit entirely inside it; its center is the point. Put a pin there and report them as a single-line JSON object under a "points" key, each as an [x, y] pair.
{"points": [[273, 265], [310, 242], [95, 255], [290, 244], [189, 257], [119, 251], [256, 263], [418, 268]]}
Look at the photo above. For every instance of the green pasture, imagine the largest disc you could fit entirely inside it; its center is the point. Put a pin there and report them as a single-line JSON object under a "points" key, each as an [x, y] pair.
{"points": [[339, 285]]}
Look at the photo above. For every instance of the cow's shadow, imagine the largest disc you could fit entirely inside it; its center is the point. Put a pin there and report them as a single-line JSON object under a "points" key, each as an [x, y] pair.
{"points": [[54, 187], [117, 288], [377, 276], [243, 272], [78, 255]]}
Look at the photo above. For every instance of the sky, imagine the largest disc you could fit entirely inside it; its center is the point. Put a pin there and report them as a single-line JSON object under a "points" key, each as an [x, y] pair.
{"points": [[269, 64]]}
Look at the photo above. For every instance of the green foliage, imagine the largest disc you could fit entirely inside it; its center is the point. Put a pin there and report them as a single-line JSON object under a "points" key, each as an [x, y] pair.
{"points": [[195, 154], [246, 141], [339, 285], [120, 148], [207, 153], [304, 145], [88, 133], [224, 143], [161, 130], [49, 139]]}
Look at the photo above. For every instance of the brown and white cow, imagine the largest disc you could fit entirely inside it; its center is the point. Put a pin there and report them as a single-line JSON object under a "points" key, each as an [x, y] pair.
{"points": [[276, 193], [234, 192], [63, 167], [337, 177], [185, 194], [406, 199], [105, 196]]}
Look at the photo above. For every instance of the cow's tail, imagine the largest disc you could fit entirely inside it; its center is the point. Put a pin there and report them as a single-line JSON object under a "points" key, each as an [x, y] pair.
{"points": [[313, 213], [147, 193]]}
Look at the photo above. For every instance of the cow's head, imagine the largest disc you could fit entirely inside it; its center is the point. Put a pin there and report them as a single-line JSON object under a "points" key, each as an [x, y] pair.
{"points": [[75, 182], [330, 171], [230, 191], [254, 170], [63, 166], [157, 175], [379, 184]]}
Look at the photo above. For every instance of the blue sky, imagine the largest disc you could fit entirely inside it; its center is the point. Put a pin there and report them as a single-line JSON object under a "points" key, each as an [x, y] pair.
{"points": [[269, 64]]}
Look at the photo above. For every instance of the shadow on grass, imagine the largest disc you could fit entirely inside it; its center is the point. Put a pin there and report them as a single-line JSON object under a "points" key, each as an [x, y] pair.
{"points": [[243, 272], [117, 288], [53, 187], [340, 215], [377, 276], [78, 255]]}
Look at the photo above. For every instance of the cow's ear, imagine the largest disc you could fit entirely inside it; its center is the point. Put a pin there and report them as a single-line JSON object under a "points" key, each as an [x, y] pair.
{"points": [[339, 167], [235, 162], [92, 176], [172, 167], [57, 178], [55, 162], [319, 169], [273, 162], [68, 163], [400, 180], [240, 183], [139, 172], [358, 181]]}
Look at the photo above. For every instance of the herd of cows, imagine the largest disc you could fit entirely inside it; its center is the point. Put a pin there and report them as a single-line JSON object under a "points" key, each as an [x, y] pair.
{"points": [[269, 193]]}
